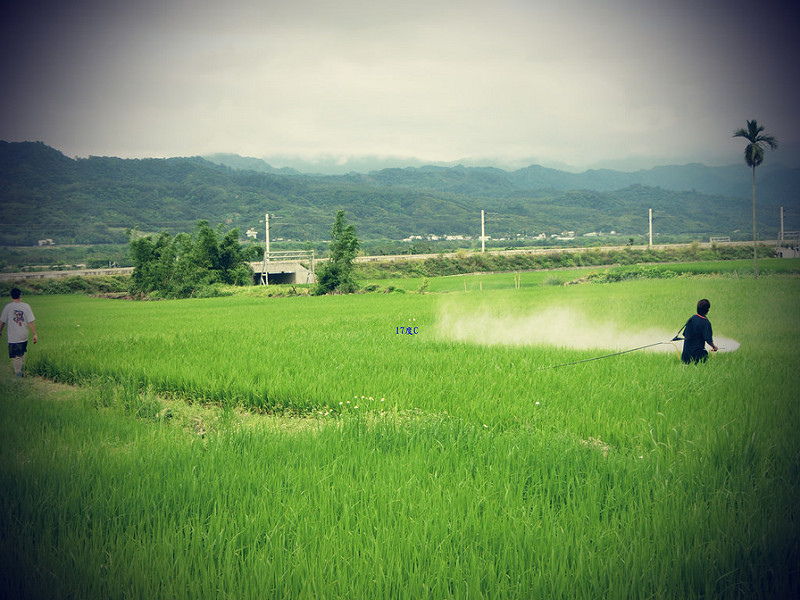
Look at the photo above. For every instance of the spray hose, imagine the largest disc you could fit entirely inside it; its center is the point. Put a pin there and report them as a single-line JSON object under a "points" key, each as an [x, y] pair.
{"points": [[604, 356], [576, 362]]}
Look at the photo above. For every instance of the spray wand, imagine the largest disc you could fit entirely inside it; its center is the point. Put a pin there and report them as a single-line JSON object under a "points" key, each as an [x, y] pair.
{"points": [[675, 339], [604, 356]]}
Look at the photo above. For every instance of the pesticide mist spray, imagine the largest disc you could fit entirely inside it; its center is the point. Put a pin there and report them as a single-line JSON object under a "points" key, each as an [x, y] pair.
{"points": [[559, 327]]}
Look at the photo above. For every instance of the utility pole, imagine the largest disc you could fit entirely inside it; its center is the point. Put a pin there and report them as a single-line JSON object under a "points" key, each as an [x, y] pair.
{"points": [[266, 221], [483, 233], [781, 236], [651, 227], [265, 274], [276, 220]]}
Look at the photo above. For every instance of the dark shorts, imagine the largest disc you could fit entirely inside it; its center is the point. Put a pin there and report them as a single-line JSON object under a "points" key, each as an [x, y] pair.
{"points": [[17, 349]]}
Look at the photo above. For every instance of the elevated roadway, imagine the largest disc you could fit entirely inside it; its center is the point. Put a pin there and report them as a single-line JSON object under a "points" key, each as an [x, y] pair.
{"points": [[550, 250], [258, 266]]}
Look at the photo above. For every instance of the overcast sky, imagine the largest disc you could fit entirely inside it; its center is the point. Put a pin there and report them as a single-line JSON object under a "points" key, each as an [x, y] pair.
{"points": [[620, 83]]}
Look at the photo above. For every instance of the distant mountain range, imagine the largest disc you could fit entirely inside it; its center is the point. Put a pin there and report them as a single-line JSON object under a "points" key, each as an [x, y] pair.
{"points": [[774, 180], [47, 195], [787, 155]]}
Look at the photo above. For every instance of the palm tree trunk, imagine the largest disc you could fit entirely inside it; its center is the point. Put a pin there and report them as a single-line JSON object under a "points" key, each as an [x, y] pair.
{"points": [[755, 245]]}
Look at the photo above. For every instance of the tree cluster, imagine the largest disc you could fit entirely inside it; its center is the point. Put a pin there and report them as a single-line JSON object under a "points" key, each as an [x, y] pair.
{"points": [[336, 275], [184, 265]]}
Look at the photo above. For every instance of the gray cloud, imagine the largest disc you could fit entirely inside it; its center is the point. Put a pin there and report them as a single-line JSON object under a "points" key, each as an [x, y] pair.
{"points": [[577, 82]]}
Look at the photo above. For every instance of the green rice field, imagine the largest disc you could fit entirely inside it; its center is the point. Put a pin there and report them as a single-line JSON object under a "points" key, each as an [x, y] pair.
{"points": [[406, 445]]}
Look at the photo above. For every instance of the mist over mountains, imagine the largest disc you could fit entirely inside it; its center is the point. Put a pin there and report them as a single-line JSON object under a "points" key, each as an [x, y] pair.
{"points": [[732, 180], [787, 156], [45, 194]]}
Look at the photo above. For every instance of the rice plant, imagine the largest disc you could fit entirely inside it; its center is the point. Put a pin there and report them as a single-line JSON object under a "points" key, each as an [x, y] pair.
{"points": [[418, 465]]}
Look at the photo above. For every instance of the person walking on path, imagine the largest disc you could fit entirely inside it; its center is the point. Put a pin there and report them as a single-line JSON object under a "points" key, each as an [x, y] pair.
{"points": [[697, 333], [18, 316]]}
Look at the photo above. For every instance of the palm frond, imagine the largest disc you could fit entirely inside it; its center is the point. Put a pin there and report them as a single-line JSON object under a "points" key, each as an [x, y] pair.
{"points": [[754, 128], [769, 140], [754, 152], [753, 155], [740, 133]]}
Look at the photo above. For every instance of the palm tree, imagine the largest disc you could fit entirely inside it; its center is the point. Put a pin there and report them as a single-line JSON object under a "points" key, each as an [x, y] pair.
{"points": [[754, 156]]}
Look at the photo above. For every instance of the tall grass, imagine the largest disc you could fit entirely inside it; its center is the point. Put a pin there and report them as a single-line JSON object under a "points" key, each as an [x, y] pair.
{"points": [[308, 354], [465, 471]]}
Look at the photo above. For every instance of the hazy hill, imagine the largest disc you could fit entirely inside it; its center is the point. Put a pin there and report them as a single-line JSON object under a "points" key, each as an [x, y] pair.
{"points": [[248, 163], [734, 180], [44, 194], [775, 182]]}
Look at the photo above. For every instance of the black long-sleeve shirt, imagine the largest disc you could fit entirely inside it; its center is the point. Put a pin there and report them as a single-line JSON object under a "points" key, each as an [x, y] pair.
{"points": [[696, 334]]}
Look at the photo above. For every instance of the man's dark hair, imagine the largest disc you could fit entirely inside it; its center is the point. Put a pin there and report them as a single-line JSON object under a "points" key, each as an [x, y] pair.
{"points": [[702, 307], [15, 293]]}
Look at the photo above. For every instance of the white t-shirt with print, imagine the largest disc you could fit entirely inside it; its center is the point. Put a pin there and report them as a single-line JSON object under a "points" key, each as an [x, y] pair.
{"points": [[16, 316]]}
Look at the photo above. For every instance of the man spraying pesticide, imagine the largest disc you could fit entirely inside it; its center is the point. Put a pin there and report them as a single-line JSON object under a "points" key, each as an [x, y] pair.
{"points": [[697, 333]]}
